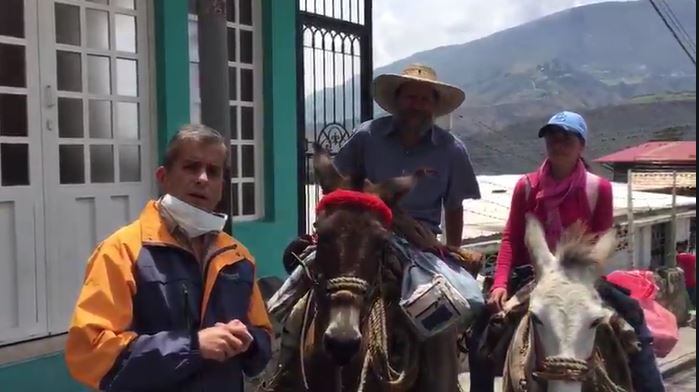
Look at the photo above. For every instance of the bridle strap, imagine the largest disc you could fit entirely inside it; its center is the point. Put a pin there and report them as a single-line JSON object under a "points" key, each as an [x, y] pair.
{"points": [[306, 270], [347, 283], [354, 285], [558, 368]]}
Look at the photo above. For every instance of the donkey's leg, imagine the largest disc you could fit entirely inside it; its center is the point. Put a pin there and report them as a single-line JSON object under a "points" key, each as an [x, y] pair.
{"points": [[440, 371]]}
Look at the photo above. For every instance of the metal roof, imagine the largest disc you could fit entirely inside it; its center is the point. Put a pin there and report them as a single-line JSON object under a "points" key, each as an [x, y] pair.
{"points": [[666, 152], [487, 217]]}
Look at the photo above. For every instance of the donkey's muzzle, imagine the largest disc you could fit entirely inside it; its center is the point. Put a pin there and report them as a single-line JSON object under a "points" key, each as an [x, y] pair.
{"points": [[564, 369], [342, 347]]}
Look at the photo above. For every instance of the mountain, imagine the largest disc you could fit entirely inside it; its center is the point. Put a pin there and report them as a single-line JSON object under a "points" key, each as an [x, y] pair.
{"points": [[517, 149], [584, 57], [615, 62]]}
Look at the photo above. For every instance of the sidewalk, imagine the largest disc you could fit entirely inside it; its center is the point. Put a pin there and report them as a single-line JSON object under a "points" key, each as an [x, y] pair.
{"points": [[683, 356]]}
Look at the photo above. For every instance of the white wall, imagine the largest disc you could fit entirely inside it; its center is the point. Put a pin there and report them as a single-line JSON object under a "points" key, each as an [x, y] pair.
{"points": [[619, 261], [642, 248], [444, 122], [642, 242], [682, 232]]}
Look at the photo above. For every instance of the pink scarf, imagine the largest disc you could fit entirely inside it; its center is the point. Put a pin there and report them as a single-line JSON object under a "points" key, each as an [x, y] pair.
{"points": [[551, 194]]}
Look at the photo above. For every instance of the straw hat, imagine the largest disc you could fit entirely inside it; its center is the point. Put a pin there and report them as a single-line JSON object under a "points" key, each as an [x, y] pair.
{"points": [[385, 86]]}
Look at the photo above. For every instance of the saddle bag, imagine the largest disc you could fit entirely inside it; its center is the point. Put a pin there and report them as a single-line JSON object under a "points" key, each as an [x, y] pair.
{"points": [[436, 294], [434, 307]]}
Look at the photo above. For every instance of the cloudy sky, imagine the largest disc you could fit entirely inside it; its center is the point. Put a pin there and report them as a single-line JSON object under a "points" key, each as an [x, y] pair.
{"points": [[403, 27]]}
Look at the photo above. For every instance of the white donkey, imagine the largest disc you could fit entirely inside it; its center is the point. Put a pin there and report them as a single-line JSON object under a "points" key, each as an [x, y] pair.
{"points": [[554, 348]]}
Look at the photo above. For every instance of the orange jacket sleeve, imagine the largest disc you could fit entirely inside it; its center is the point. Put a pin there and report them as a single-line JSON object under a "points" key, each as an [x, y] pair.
{"points": [[101, 351], [260, 352], [98, 331]]}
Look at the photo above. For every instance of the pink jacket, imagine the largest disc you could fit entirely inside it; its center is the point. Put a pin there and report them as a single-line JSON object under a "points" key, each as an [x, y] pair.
{"points": [[575, 207]]}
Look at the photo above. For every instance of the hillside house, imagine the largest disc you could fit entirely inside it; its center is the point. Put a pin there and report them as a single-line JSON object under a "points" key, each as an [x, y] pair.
{"points": [[653, 163], [485, 219]]}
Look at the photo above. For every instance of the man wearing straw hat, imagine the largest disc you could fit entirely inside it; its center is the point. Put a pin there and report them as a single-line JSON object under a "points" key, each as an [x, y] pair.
{"points": [[402, 143], [407, 140]]}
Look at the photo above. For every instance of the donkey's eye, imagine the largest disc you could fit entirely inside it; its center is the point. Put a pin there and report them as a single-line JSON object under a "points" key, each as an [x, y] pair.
{"points": [[536, 319], [596, 323]]}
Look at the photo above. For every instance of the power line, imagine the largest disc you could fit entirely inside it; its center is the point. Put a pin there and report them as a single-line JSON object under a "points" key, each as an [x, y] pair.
{"points": [[675, 20], [676, 28], [674, 25], [674, 34]]}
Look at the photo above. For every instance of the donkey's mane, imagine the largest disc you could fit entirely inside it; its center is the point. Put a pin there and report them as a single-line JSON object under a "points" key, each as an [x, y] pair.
{"points": [[576, 248]]}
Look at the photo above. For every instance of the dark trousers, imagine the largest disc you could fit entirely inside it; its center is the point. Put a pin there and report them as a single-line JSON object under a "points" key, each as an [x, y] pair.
{"points": [[480, 369], [692, 292], [645, 374]]}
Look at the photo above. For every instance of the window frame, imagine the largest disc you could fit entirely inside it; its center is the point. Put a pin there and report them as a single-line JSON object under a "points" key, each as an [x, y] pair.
{"points": [[256, 104]]}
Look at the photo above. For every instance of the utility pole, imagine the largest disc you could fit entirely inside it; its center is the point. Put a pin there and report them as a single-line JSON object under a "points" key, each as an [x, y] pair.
{"points": [[213, 81], [630, 230], [673, 222]]}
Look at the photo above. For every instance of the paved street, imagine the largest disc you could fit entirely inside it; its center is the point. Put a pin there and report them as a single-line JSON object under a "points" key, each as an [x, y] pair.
{"points": [[683, 382]]}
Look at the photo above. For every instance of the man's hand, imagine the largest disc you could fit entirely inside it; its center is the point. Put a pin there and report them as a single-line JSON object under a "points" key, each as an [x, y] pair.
{"points": [[239, 331], [497, 299], [219, 343]]}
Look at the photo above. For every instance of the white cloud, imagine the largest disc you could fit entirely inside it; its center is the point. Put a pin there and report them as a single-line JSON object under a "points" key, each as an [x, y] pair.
{"points": [[404, 27]]}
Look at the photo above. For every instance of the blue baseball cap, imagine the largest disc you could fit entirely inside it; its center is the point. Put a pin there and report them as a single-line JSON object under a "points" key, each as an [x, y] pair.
{"points": [[568, 121]]}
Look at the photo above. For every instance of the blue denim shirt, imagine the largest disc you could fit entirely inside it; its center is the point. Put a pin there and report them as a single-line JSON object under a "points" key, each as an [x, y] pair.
{"points": [[375, 152]]}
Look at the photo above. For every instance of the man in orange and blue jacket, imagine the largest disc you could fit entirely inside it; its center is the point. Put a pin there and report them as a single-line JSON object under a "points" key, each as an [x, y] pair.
{"points": [[170, 301]]}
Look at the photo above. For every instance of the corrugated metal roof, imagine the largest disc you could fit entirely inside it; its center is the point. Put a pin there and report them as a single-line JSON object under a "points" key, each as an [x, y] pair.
{"points": [[487, 217], [680, 152]]}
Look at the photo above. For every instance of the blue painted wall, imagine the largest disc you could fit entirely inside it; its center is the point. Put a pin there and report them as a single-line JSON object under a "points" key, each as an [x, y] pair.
{"points": [[266, 238]]}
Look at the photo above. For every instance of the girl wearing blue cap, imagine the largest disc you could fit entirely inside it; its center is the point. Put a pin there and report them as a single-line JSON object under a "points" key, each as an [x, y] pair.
{"points": [[561, 192]]}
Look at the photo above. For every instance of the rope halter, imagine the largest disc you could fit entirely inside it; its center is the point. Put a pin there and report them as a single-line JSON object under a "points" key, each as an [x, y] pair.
{"points": [[558, 368], [356, 286], [563, 369]]}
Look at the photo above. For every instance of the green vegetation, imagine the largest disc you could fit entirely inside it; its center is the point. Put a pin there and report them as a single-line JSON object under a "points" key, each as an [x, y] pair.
{"points": [[663, 97]]}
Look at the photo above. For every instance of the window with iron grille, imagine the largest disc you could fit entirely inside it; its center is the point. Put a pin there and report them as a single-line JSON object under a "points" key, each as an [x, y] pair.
{"points": [[622, 238], [245, 90], [658, 244]]}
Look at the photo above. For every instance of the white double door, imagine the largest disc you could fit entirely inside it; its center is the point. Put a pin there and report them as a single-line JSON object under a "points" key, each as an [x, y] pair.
{"points": [[75, 148]]}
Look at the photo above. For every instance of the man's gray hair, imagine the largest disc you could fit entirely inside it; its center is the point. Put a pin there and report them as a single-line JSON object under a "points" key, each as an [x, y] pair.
{"points": [[198, 133]]}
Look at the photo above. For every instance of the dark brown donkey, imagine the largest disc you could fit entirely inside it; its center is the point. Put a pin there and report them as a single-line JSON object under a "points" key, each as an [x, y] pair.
{"points": [[353, 319]]}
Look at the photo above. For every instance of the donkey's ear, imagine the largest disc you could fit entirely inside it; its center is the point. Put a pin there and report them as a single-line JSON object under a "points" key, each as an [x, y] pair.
{"points": [[535, 238], [390, 191], [325, 171], [605, 246], [369, 187]]}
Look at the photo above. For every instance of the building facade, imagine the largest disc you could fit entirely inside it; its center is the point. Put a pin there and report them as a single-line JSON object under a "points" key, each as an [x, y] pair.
{"points": [[647, 245], [653, 165], [90, 93]]}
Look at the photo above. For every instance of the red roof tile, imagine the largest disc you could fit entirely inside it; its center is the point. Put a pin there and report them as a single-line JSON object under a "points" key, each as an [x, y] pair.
{"points": [[666, 152]]}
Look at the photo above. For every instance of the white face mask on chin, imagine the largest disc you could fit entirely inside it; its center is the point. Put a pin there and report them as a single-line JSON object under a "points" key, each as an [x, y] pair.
{"points": [[194, 221]]}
